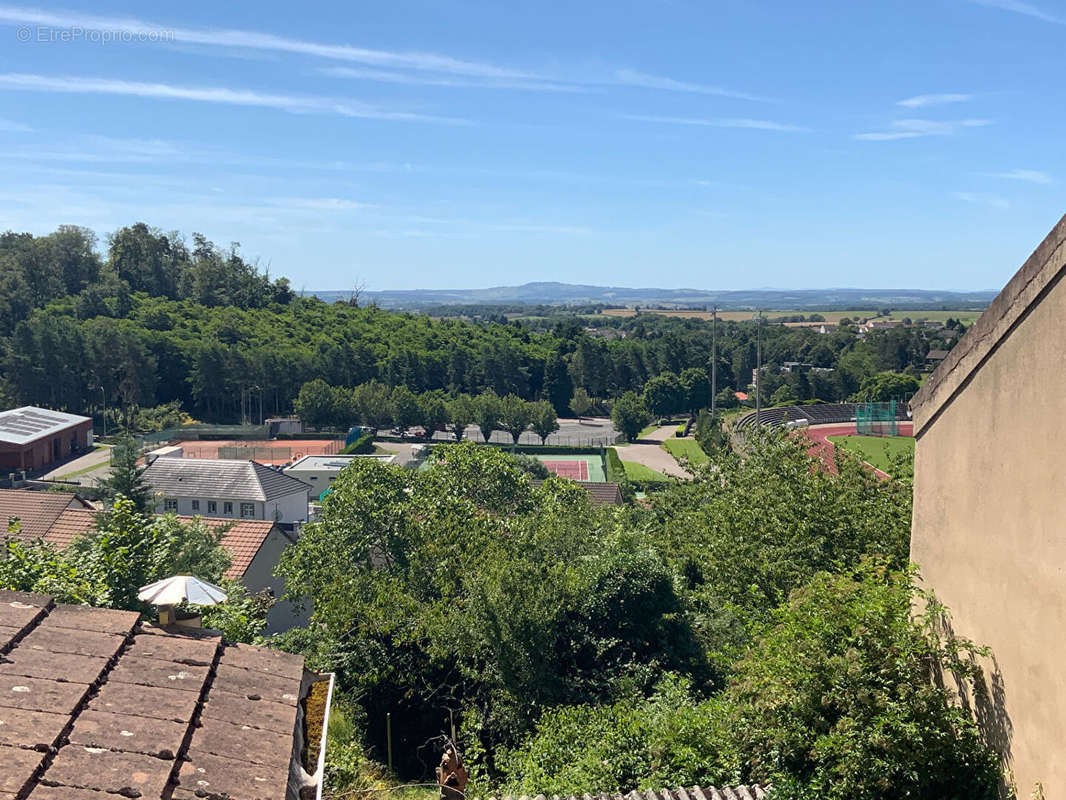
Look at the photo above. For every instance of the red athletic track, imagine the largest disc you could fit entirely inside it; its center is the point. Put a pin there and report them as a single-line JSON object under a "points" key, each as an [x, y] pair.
{"points": [[822, 448]]}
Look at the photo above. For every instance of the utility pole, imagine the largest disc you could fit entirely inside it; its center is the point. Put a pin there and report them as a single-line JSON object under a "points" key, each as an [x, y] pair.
{"points": [[714, 361], [103, 398], [758, 366]]}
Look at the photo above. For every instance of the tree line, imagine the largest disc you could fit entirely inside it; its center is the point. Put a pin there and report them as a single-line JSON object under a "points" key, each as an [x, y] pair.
{"points": [[151, 320]]}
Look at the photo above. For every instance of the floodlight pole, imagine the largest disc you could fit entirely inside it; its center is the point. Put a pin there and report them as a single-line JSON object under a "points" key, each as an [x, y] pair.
{"points": [[103, 399], [758, 366], [714, 360]]}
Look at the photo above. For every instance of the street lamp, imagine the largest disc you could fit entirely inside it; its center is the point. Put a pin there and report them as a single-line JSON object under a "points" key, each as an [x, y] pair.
{"points": [[103, 399]]}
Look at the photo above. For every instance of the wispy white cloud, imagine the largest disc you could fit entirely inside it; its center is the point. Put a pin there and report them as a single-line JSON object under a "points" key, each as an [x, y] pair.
{"points": [[422, 79], [241, 39], [221, 95], [432, 69], [923, 100], [751, 124], [8, 126], [317, 203], [1027, 175], [1020, 7], [916, 128], [982, 199], [631, 77]]}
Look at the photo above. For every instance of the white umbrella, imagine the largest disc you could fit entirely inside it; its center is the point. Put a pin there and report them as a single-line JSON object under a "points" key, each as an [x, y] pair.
{"points": [[180, 589]]}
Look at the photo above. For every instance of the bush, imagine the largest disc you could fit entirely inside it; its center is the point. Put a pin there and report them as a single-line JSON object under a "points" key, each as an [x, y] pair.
{"points": [[534, 466], [362, 446]]}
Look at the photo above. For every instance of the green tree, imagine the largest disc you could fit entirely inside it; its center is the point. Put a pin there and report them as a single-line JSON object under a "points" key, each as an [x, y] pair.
{"points": [[315, 403], [696, 387], [885, 386], [405, 409], [462, 413], [544, 421], [558, 387], [784, 395], [487, 408], [663, 395], [630, 415], [373, 401], [126, 478], [433, 412], [580, 403], [515, 415]]}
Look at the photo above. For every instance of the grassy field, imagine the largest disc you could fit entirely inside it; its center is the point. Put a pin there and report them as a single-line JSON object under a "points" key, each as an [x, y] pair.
{"points": [[686, 448], [639, 472], [876, 450], [966, 317]]}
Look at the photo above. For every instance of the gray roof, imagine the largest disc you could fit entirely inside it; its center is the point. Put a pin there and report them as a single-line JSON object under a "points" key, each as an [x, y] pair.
{"points": [[602, 493], [219, 477], [29, 423], [753, 792], [337, 462]]}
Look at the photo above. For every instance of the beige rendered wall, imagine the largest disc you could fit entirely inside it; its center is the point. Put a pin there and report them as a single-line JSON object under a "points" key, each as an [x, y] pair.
{"points": [[989, 530]]}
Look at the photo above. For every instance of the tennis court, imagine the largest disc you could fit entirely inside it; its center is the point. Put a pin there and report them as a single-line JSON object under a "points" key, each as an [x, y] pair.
{"points": [[272, 451], [576, 468]]}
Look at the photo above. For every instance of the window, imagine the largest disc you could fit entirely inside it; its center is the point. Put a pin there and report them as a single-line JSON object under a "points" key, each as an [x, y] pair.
{"points": [[170, 504], [314, 477], [247, 510], [227, 507], [212, 507], [195, 505]]}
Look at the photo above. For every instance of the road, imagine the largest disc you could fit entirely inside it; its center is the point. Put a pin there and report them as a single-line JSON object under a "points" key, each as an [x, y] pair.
{"points": [[95, 464], [649, 452]]}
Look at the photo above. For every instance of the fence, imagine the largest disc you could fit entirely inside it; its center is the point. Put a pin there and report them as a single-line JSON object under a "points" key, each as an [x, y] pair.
{"points": [[555, 439], [206, 432], [876, 419]]}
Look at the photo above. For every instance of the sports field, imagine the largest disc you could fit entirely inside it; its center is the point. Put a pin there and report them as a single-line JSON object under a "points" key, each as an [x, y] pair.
{"points": [[273, 452], [878, 451], [576, 468], [965, 317]]}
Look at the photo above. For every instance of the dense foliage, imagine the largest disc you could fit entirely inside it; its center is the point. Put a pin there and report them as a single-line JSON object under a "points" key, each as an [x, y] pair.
{"points": [[154, 321], [753, 624], [125, 550]]}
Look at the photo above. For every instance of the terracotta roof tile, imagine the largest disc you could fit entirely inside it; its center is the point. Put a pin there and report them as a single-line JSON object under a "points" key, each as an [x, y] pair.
{"points": [[36, 511], [71, 524], [150, 714]]}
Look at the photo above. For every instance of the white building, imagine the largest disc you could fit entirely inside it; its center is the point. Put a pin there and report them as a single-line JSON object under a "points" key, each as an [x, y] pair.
{"points": [[226, 488], [318, 472]]}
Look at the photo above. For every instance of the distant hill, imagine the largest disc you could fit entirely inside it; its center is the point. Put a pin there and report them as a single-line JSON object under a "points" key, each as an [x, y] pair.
{"points": [[551, 293]]}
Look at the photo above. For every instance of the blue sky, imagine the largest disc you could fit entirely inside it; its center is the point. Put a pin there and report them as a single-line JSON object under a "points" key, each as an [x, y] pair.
{"points": [[454, 143]]}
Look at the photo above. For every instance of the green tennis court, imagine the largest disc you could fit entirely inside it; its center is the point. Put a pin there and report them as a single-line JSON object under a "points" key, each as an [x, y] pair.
{"points": [[576, 468]]}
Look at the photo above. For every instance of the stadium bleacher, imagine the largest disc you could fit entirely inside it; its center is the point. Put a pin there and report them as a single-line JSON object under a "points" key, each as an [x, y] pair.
{"points": [[816, 414]]}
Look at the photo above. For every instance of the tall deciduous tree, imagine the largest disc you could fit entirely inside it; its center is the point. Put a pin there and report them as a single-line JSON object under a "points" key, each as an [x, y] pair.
{"points": [[544, 421], [580, 403], [488, 409], [515, 415], [630, 415], [462, 412]]}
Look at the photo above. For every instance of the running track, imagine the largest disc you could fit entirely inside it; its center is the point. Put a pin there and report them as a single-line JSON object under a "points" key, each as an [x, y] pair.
{"points": [[822, 448]]}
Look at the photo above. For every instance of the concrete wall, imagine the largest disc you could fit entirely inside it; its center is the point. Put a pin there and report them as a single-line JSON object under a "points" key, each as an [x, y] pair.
{"points": [[989, 530]]}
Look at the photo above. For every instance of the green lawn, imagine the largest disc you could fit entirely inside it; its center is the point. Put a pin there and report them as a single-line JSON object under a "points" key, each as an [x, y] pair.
{"points": [[639, 472], [647, 430], [686, 448], [876, 450]]}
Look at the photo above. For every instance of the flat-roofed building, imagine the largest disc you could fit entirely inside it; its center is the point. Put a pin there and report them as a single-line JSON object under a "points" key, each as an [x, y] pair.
{"points": [[318, 472], [31, 438]]}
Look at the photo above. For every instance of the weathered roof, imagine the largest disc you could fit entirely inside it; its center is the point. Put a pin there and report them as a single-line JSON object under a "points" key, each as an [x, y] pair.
{"points": [[93, 702], [602, 492], [242, 539], [937, 355], [1040, 272], [753, 792], [229, 479], [37, 512], [29, 423]]}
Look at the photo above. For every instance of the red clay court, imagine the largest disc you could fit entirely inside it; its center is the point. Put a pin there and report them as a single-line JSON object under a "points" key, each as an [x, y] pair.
{"points": [[273, 452], [574, 470]]}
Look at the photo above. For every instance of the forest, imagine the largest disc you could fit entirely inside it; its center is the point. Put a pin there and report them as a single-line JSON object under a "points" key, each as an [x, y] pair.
{"points": [[149, 319]]}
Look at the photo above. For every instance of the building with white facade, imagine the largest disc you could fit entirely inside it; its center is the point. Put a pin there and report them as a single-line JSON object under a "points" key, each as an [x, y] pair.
{"points": [[226, 488], [318, 472]]}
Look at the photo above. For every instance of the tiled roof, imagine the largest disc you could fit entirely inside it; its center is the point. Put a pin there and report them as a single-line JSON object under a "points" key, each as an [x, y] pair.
{"points": [[753, 792], [71, 524], [242, 540], [29, 423], [218, 477], [602, 493], [94, 705], [37, 511]]}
